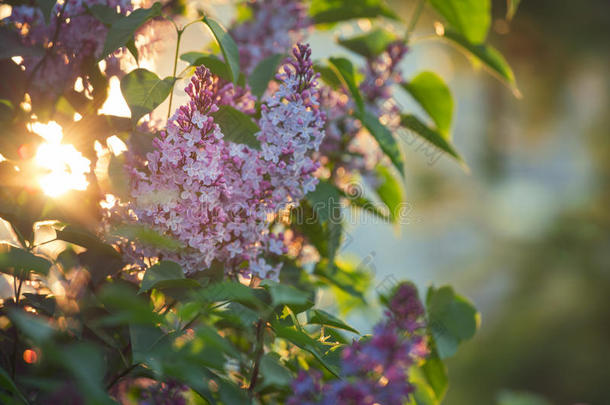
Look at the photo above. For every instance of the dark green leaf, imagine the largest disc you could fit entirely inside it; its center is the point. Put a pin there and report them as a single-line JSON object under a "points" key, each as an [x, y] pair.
{"points": [[86, 239], [451, 319], [332, 11], [22, 260], [143, 339], [125, 306], [87, 365], [148, 236], [228, 47], [33, 327], [7, 383], [319, 317], [273, 373], [328, 75], [391, 192], [230, 291], [435, 373], [10, 45], [46, 6], [216, 66], [431, 92], [105, 14], [326, 202], [371, 44], [123, 29], [164, 275], [144, 91], [385, 139], [346, 72], [236, 126], [471, 18], [435, 138], [304, 341], [491, 59], [263, 73], [283, 294]]}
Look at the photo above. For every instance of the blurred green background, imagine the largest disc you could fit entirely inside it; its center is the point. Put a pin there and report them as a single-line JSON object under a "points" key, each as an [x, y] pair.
{"points": [[525, 235]]}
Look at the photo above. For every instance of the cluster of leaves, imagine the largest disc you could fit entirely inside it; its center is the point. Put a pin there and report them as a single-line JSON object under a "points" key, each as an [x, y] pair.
{"points": [[223, 341]]}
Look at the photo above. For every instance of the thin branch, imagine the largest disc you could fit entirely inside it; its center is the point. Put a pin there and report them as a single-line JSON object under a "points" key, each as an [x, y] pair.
{"points": [[260, 329]]}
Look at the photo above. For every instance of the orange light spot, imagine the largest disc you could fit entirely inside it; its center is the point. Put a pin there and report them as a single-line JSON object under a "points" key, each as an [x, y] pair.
{"points": [[30, 356]]}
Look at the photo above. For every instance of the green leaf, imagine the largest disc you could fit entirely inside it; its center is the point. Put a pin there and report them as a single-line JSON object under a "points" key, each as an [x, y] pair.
{"points": [[86, 239], [283, 294], [326, 202], [435, 373], [46, 6], [143, 339], [385, 139], [301, 339], [236, 126], [22, 260], [11, 45], [216, 66], [87, 365], [434, 137], [319, 317], [391, 192], [148, 236], [229, 49], [328, 75], [491, 59], [471, 18], [33, 327], [332, 11], [371, 44], [431, 92], [451, 319], [165, 274], [105, 14], [263, 73], [122, 29], [274, 373], [424, 394], [144, 91], [511, 9], [230, 291], [125, 306], [9, 385], [346, 72]]}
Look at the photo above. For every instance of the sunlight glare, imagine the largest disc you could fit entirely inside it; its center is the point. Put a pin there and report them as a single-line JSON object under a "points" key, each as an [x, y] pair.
{"points": [[115, 104], [66, 166]]}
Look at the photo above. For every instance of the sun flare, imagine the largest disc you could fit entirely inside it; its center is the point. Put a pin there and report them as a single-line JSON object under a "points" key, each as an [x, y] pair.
{"points": [[65, 167]]}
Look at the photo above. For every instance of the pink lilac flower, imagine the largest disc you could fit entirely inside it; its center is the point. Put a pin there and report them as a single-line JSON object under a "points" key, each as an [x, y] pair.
{"points": [[215, 196], [374, 370], [275, 25], [72, 38]]}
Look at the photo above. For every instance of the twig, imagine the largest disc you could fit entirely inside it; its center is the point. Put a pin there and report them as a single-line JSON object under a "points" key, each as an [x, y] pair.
{"points": [[260, 329]]}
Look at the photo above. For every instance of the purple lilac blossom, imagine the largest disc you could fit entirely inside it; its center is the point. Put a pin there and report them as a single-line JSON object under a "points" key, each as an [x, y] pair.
{"points": [[374, 370], [215, 196], [72, 38], [274, 26]]}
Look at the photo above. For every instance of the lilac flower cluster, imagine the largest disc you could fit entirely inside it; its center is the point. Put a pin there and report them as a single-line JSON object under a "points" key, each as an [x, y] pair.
{"points": [[72, 38], [274, 26], [347, 145], [215, 195], [375, 370]]}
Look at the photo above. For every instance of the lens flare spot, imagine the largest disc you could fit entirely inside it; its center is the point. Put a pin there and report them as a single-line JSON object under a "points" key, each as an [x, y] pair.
{"points": [[65, 167]]}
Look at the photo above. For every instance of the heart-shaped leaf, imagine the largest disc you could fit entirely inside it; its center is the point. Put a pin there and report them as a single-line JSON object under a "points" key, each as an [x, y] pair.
{"points": [[144, 91]]}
